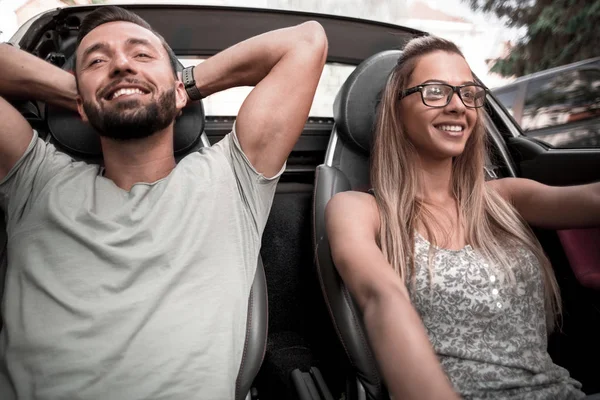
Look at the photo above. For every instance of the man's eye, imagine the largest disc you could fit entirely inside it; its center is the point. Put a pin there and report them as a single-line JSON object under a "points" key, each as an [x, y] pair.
{"points": [[143, 55], [95, 61]]}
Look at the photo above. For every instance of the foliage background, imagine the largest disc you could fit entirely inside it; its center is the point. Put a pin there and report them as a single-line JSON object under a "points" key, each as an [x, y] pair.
{"points": [[558, 32]]}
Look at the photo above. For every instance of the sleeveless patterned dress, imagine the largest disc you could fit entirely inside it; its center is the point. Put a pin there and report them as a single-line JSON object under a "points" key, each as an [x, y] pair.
{"points": [[489, 335]]}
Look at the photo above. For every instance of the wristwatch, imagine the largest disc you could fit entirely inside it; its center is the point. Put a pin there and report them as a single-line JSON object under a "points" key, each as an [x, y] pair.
{"points": [[187, 76]]}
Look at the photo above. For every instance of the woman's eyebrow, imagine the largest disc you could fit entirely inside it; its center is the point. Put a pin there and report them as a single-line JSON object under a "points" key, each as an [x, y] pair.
{"points": [[443, 81]]}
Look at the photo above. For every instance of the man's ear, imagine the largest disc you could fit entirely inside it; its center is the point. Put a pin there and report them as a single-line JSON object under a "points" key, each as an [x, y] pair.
{"points": [[181, 97], [80, 109]]}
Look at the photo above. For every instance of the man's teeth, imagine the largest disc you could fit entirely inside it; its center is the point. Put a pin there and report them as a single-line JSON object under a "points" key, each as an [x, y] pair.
{"points": [[450, 128], [124, 91]]}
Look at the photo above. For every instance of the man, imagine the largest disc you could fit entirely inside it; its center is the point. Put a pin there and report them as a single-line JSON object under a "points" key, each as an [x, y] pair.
{"points": [[132, 281]]}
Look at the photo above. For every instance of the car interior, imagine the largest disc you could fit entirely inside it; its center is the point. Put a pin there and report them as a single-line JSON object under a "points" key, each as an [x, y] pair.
{"points": [[305, 338]]}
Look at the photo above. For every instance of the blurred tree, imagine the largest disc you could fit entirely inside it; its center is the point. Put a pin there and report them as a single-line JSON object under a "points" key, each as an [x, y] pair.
{"points": [[558, 32]]}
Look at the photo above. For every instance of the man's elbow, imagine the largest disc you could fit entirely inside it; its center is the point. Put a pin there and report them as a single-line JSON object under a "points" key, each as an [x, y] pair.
{"points": [[313, 36]]}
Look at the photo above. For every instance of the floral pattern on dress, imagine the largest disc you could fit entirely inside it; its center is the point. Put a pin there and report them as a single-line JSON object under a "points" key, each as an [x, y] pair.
{"points": [[489, 333]]}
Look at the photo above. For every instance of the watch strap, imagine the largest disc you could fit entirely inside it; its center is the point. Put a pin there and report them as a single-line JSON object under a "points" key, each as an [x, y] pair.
{"points": [[187, 76]]}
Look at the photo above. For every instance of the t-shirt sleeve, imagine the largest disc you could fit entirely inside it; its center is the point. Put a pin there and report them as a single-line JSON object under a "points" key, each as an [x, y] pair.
{"points": [[257, 191], [29, 176]]}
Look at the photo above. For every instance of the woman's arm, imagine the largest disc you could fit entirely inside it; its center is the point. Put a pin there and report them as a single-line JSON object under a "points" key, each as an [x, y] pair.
{"points": [[396, 334], [553, 207]]}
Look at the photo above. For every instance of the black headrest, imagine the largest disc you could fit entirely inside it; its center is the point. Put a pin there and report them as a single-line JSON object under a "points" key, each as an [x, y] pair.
{"points": [[355, 105], [80, 139]]}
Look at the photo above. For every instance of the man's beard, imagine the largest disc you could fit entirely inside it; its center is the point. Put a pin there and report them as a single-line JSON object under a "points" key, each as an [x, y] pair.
{"points": [[129, 120]]}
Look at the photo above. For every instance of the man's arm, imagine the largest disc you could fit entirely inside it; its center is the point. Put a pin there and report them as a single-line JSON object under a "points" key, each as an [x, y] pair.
{"points": [[396, 334], [15, 135], [284, 66], [23, 75], [552, 207]]}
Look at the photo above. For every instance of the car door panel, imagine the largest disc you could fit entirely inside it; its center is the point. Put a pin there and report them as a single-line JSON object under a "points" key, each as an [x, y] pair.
{"points": [[558, 167], [574, 254], [582, 248], [562, 167]]}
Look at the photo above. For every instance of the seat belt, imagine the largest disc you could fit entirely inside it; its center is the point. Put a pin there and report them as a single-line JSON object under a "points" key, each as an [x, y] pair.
{"points": [[3, 260]]}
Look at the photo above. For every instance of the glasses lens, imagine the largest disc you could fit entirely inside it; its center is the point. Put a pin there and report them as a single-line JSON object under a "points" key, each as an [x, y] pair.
{"points": [[436, 95], [472, 95]]}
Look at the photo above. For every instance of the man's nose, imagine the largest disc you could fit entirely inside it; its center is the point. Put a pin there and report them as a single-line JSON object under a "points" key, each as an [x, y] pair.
{"points": [[456, 105], [122, 65]]}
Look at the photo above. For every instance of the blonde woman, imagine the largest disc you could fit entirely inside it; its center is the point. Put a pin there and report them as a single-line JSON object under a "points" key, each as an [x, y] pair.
{"points": [[456, 293]]}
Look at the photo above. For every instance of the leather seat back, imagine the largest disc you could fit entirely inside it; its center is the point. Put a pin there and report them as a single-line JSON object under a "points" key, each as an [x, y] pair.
{"points": [[3, 260], [346, 167], [256, 334]]}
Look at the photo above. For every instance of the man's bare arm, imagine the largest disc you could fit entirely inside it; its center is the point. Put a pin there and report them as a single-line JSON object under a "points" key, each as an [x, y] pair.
{"points": [[23, 75], [285, 67]]}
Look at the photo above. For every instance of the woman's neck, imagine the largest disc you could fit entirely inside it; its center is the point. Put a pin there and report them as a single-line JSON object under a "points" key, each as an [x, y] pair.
{"points": [[436, 184]]}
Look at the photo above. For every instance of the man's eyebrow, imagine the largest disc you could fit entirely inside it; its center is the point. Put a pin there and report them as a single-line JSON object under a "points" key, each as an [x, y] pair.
{"points": [[93, 48], [443, 81], [138, 41], [104, 46]]}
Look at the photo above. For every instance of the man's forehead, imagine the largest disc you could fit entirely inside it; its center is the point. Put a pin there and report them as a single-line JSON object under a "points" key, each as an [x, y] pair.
{"points": [[117, 33]]}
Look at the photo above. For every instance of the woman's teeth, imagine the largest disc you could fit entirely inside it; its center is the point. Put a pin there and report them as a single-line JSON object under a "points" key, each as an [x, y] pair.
{"points": [[450, 128]]}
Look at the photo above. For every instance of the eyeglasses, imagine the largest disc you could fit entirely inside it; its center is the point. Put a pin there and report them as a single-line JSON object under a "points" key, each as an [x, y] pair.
{"points": [[438, 95]]}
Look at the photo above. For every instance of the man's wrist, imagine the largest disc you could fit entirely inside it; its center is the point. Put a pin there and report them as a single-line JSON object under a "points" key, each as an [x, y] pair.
{"points": [[187, 76]]}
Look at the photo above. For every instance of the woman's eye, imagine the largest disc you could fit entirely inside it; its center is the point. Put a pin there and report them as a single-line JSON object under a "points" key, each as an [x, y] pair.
{"points": [[143, 55], [434, 92]]}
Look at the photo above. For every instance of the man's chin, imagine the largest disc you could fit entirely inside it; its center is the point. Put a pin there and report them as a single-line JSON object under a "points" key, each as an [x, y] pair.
{"points": [[124, 105]]}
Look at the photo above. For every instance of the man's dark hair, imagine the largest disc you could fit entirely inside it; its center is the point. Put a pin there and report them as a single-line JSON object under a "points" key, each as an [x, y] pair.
{"points": [[105, 14]]}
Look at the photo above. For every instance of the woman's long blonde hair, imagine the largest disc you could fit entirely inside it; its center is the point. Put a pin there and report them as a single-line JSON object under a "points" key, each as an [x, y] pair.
{"points": [[491, 223]]}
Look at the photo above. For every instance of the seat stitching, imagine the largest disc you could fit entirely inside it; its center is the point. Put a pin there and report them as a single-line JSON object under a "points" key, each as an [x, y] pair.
{"points": [[238, 384], [360, 333], [321, 283]]}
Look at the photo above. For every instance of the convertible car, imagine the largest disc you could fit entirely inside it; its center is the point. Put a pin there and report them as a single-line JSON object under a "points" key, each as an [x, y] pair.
{"points": [[305, 338]]}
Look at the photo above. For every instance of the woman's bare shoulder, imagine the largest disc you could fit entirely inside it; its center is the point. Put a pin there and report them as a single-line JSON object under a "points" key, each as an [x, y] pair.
{"points": [[360, 207]]}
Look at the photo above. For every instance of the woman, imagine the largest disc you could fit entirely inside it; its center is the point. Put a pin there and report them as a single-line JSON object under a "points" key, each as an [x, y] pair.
{"points": [[456, 293]]}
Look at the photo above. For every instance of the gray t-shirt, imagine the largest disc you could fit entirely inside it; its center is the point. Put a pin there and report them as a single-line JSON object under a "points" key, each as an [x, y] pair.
{"points": [[489, 334], [130, 295]]}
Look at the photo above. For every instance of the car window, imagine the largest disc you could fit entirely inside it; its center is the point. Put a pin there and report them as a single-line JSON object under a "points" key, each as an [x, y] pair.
{"points": [[563, 109], [228, 102], [507, 98]]}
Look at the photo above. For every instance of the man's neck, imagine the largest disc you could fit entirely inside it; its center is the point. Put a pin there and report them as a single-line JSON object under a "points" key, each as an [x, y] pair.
{"points": [[142, 160]]}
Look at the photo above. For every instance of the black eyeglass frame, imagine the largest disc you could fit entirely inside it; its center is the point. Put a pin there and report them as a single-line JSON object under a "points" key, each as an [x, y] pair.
{"points": [[455, 89]]}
